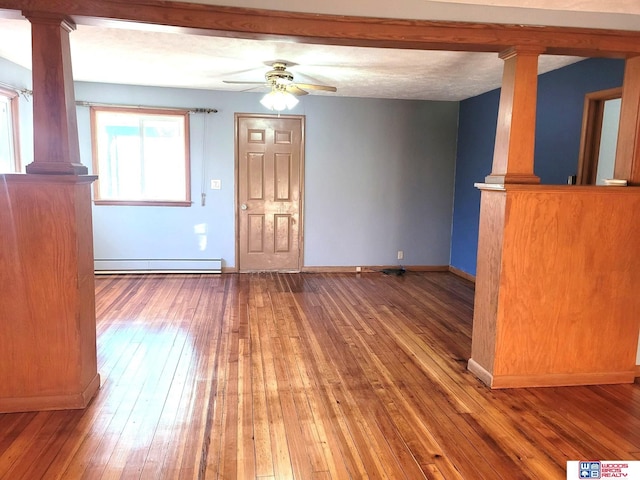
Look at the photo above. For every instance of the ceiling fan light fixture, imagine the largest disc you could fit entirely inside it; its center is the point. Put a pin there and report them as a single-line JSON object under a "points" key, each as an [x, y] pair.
{"points": [[279, 100]]}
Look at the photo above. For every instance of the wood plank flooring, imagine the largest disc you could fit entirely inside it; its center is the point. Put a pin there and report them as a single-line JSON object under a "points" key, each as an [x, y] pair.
{"points": [[307, 376]]}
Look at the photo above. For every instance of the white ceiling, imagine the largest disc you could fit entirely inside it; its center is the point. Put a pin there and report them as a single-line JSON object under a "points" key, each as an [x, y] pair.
{"points": [[190, 61]]}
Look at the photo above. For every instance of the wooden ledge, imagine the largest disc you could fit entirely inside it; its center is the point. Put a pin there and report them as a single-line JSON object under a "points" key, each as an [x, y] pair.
{"points": [[569, 189], [40, 178]]}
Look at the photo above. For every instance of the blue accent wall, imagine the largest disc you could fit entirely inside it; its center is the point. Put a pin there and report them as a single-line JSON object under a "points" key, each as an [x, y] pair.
{"points": [[558, 128]]}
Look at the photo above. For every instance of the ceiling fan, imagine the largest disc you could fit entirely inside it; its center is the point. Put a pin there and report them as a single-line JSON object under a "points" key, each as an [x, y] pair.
{"points": [[279, 79]]}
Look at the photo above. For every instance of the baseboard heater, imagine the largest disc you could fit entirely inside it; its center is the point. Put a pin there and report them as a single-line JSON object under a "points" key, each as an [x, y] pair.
{"points": [[213, 265]]}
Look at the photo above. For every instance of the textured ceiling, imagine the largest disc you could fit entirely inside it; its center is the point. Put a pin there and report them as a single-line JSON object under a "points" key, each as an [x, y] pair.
{"points": [[179, 60]]}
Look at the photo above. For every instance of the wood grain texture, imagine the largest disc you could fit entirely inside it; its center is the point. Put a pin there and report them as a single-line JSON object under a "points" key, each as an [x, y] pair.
{"points": [[488, 272], [627, 165], [55, 128], [47, 333], [306, 376], [198, 18], [516, 127], [270, 187], [569, 270]]}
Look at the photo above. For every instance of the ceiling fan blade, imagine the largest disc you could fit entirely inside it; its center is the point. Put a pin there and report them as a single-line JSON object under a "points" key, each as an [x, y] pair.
{"points": [[310, 86], [234, 82], [295, 89]]}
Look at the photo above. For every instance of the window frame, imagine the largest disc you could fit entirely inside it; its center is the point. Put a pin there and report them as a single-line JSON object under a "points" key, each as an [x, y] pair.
{"points": [[13, 96], [184, 114]]}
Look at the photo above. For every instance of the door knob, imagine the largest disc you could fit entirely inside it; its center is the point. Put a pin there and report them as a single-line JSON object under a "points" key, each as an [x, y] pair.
{"points": [[243, 206]]}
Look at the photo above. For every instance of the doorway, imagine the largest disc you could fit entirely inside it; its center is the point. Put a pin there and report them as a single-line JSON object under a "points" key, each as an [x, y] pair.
{"points": [[269, 192], [599, 136]]}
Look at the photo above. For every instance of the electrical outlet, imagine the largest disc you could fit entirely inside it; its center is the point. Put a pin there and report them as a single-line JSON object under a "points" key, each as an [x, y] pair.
{"points": [[400, 255], [358, 269], [216, 184]]}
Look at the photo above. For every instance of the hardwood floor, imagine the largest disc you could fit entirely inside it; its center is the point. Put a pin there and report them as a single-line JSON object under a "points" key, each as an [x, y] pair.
{"points": [[307, 376]]}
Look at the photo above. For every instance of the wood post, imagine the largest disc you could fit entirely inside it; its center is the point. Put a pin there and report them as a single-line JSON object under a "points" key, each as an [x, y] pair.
{"points": [[48, 357], [55, 129], [627, 164], [515, 134], [548, 307]]}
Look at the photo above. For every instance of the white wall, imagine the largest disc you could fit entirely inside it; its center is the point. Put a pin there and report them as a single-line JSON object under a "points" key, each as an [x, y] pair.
{"points": [[379, 178]]}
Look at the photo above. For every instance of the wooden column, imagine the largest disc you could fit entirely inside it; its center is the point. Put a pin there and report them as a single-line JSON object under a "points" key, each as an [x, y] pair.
{"points": [[558, 268], [48, 355], [627, 164], [512, 164], [55, 129], [515, 133]]}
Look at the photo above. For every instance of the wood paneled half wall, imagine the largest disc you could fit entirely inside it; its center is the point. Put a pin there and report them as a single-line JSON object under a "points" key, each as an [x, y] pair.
{"points": [[47, 309], [558, 307]]}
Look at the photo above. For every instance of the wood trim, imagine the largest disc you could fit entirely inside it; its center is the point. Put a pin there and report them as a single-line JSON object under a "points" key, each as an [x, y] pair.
{"points": [[488, 272], [591, 133], [333, 270], [462, 274], [567, 189], [552, 380], [94, 110], [373, 268], [562, 379], [301, 200], [479, 371], [72, 401], [425, 268], [348, 269], [627, 164], [47, 179], [607, 94], [338, 30]]}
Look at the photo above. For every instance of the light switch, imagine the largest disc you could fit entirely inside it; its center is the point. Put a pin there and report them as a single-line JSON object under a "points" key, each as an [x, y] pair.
{"points": [[215, 185]]}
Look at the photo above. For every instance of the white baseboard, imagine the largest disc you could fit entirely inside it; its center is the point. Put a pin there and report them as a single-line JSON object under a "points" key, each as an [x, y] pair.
{"points": [[159, 266]]}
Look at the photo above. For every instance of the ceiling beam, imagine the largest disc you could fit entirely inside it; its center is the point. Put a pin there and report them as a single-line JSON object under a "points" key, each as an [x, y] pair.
{"points": [[334, 29]]}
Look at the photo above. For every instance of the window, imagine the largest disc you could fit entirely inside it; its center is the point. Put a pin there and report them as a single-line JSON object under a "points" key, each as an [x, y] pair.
{"points": [[141, 156], [9, 157]]}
